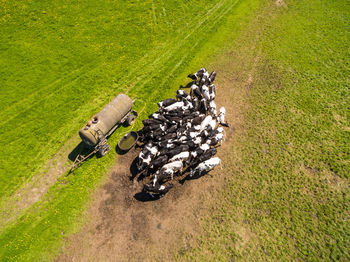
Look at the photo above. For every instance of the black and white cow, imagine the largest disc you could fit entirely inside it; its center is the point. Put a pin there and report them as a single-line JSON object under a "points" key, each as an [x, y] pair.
{"points": [[205, 166]]}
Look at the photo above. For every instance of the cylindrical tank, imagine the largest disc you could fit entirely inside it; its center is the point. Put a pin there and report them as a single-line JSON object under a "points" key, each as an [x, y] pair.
{"points": [[105, 120]]}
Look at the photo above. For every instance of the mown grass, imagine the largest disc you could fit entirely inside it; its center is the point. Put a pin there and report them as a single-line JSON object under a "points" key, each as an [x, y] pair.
{"points": [[287, 196], [62, 62]]}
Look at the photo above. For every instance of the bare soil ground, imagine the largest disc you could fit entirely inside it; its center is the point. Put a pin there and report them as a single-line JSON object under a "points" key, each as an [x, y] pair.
{"points": [[127, 226]]}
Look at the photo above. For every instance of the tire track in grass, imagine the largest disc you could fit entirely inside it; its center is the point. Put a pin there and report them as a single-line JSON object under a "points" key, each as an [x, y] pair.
{"points": [[170, 75], [34, 95]]}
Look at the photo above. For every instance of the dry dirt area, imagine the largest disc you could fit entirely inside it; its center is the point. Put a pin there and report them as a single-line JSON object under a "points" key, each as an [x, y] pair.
{"points": [[126, 226]]}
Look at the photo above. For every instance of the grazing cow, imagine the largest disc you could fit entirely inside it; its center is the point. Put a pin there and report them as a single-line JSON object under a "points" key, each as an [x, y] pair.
{"points": [[183, 156], [153, 127], [168, 170], [192, 135], [204, 156], [166, 102], [159, 117], [205, 92], [157, 189], [174, 119], [158, 132], [188, 105], [213, 141], [212, 108], [203, 106], [144, 161], [193, 143], [195, 103], [221, 117], [172, 152], [149, 122], [165, 145], [198, 120], [196, 92], [187, 118], [205, 166], [206, 122], [181, 130], [172, 128], [168, 136], [174, 106], [212, 76], [158, 162], [199, 150], [198, 74], [212, 91], [181, 94], [212, 124], [211, 133], [204, 79]]}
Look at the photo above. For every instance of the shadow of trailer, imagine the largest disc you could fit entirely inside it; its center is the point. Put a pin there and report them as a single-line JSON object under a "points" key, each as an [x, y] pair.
{"points": [[96, 131]]}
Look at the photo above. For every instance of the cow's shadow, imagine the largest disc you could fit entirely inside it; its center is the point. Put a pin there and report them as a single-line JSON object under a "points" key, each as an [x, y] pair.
{"points": [[145, 197]]}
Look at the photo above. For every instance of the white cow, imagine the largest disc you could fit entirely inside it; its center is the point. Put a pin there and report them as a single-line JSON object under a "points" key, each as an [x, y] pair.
{"points": [[205, 166], [206, 122], [171, 168], [221, 116], [212, 108], [205, 92], [174, 106], [183, 156]]}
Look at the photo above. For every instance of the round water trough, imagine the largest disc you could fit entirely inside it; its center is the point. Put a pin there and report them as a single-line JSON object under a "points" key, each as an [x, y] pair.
{"points": [[128, 141]]}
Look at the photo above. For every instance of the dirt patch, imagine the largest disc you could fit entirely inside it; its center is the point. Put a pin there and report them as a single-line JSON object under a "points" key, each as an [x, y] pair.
{"points": [[281, 3], [126, 226]]}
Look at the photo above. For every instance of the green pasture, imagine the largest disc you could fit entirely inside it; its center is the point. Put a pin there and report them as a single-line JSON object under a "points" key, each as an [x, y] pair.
{"points": [[287, 197]]}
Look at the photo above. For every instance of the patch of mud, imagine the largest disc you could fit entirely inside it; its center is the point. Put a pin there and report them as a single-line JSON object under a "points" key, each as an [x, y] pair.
{"points": [[125, 227]]}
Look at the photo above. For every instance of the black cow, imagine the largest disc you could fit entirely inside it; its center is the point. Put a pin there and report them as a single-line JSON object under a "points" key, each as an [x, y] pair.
{"points": [[212, 76], [203, 157], [168, 136], [204, 106], [157, 189], [198, 120], [148, 122], [172, 129], [198, 74], [158, 162]]}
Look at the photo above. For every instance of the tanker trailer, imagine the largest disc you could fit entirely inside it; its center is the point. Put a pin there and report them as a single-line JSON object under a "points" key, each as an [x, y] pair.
{"points": [[95, 132]]}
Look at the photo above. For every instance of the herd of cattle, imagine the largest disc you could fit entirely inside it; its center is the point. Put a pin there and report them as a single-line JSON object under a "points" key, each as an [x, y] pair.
{"points": [[182, 135]]}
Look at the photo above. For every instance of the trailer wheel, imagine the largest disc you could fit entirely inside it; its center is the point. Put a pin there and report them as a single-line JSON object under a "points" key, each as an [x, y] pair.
{"points": [[104, 149], [130, 120]]}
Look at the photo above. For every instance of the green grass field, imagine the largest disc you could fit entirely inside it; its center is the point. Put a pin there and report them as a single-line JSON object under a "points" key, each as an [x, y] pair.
{"points": [[61, 62]]}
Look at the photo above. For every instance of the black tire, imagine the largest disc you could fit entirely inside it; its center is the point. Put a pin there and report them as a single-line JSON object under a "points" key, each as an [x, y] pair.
{"points": [[130, 120], [104, 149]]}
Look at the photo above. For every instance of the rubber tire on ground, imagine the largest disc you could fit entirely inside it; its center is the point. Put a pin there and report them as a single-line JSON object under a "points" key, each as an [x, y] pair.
{"points": [[104, 150], [130, 120]]}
